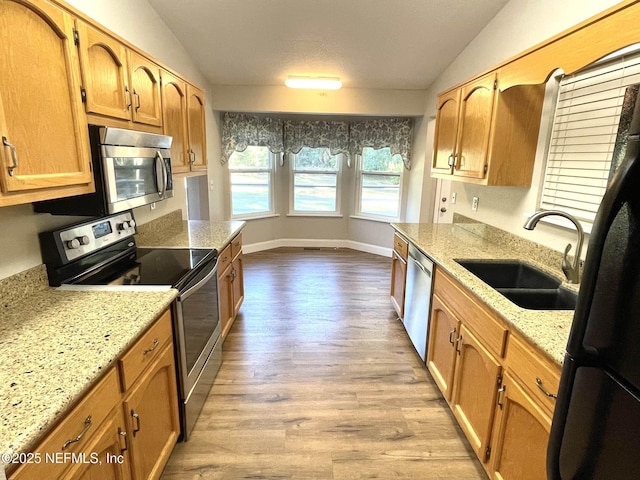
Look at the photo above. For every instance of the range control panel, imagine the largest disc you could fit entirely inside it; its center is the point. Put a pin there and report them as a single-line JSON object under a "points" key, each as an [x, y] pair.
{"points": [[78, 240]]}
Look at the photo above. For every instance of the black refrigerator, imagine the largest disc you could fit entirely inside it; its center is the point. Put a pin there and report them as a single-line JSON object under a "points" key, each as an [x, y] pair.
{"points": [[596, 425]]}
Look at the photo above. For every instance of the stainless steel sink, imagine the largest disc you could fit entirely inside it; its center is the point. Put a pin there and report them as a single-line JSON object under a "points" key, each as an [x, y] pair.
{"points": [[523, 284]]}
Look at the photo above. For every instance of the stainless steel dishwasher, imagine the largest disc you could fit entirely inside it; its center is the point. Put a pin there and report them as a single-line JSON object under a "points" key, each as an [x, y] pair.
{"points": [[417, 300]]}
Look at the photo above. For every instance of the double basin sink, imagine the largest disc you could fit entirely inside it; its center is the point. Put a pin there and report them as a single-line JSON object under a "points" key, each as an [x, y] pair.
{"points": [[523, 284]]}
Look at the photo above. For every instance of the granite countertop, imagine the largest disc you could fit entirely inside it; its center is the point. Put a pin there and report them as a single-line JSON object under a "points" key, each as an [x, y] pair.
{"points": [[171, 231], [547, 329], [55, 345]]}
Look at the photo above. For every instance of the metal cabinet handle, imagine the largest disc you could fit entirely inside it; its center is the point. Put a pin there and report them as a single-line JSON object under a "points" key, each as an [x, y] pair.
{"points": [[451, 160], [14, 155], [87, 426], [544, 390], [459, 345], [451, 335], [501, 392], [137, 417], [123, 435], [155, 345], [137, 99], [128, 92]]}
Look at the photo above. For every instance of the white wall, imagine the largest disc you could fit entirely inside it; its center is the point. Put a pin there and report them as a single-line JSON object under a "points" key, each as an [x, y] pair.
{"points": [[136, 22], [518, 26]]}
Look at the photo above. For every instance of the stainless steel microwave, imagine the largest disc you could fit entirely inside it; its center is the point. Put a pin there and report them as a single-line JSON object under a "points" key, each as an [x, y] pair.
{"points": [[130, 169]]}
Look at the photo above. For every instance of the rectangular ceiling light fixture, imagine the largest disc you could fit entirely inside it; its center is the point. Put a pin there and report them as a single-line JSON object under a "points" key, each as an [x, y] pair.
{"points": [[315, 83]]}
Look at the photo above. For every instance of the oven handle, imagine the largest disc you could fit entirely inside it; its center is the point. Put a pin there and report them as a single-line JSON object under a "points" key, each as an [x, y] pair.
{"points": [[191, 290]]}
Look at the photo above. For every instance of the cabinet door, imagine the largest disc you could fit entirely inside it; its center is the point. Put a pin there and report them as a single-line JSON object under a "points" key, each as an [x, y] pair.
{"points": [[398, 279], [521, 435], [196, 128], [174, 113], [44, 143], [104, 73], [444, 330], [238, 284], [474, 391], [446, 132], [476, 113], [109, 446], [153, 425], [225, 300], [145, 90]]}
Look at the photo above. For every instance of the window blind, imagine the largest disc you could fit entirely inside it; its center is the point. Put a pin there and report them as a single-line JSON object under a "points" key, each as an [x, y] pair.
{"points": [[583, 136]]}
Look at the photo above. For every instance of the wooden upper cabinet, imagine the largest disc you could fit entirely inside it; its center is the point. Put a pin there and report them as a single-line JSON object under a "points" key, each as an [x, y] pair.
{"points": [[446, 132], [104, 73], [145, 90], [44, 145], [196, 128], [174, 119], [119, 83], [476, 109]]}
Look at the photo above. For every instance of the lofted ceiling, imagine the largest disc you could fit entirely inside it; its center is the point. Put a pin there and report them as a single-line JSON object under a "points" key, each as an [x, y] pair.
{"points": [[388, 44]]}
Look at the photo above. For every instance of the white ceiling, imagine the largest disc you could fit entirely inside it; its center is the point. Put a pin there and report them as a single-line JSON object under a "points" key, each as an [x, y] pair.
{"points": [[390, 44]]}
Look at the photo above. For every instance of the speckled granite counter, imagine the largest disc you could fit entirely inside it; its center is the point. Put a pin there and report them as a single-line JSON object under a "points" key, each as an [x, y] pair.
{"points": [[549, 330], [171, 231], [55, 344]]}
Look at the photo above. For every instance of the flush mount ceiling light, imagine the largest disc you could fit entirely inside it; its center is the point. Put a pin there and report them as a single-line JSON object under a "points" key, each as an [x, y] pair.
{"points": [[315, 83]]}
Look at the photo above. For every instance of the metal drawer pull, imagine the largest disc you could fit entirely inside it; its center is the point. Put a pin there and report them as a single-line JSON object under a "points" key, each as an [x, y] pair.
{"points": [[14, 155], [137, 417], [451, 335], [155, 345], [87, 426], [544, 390]]}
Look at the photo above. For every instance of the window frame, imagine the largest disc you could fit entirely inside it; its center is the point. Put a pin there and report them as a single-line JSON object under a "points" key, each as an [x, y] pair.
{"points": [[292, 191], [360, 173], [271, 170]]}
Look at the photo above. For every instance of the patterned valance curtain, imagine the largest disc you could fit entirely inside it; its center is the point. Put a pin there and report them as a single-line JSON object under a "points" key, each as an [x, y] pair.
{"points": [[316, 134], [395, 133], [240, 130]]}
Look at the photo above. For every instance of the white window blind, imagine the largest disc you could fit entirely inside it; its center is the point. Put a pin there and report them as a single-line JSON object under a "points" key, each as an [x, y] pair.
{"points": [[583, 136]]}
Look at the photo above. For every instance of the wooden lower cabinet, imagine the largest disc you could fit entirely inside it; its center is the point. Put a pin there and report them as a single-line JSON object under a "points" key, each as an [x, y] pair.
{"points": [[398, 282], [477, 378], [118, 430], [441, 353], [238, 283], [152, 417], [230, 284], [521, 434]]}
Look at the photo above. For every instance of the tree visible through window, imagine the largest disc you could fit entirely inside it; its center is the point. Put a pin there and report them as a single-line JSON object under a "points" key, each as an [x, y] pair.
{"points": [[315, 181], [251, 175], [379, 179]]}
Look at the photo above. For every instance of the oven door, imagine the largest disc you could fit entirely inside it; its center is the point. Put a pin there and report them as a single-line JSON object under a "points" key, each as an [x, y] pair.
{"points": [[198, 326], [135, 176]]}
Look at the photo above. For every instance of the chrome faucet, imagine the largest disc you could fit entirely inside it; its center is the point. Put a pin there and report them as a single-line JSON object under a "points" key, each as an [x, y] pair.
{"points": [[572, 272]]}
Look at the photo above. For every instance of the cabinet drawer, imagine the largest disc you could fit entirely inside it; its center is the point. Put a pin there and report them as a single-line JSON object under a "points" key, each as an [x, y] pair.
{"points": [[529, 366], [471, 312], [145, 350], [224, 260], [401, 246], [83, 421], [236, 245]]}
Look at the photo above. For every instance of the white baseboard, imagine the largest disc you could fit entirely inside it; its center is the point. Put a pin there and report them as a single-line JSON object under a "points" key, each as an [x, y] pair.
{"points": [[316, 243]]}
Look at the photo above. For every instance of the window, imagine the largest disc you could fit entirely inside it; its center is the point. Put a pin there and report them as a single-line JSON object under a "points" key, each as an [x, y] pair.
{"points": [[379, 180], [315, 179], [251, 175], [586, 126]]}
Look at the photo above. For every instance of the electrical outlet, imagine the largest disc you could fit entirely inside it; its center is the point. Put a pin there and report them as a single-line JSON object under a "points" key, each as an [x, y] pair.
{"points": [[453, 198], [474, 204]]}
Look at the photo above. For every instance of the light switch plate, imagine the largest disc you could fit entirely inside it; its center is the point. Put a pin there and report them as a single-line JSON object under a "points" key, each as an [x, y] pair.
{"points": [[474, 204]]}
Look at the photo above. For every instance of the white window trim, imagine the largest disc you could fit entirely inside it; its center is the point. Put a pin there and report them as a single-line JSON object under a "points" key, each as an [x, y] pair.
{"points": [[358, 196], [306, 213], [273, 162]]}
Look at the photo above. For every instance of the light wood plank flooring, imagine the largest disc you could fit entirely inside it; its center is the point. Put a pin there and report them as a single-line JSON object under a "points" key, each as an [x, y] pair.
{"points": [[320, 381]]}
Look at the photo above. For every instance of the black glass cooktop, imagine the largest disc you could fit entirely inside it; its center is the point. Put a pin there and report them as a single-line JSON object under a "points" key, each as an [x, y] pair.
{"points": [[154, 266]]}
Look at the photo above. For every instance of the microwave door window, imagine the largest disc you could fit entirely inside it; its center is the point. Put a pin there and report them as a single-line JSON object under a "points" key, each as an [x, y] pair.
{"points": [[135, 177]]}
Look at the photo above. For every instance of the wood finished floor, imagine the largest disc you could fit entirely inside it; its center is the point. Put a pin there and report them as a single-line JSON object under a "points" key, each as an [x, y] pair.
{"points": [[320, 381]]}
